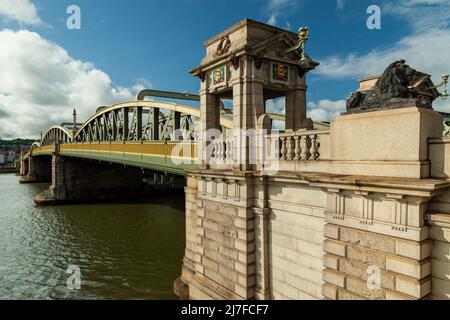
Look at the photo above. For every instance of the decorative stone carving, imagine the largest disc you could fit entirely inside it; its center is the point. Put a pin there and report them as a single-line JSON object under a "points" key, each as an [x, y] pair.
{"points": [[258, 60], [399, 86], [223, 47], [234, 61]]}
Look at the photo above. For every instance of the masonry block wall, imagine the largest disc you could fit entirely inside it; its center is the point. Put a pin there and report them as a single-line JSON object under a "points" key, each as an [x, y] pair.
{"points": [[220, 253], [296, 237], [377, 234], [439, 220], [440, 256]]}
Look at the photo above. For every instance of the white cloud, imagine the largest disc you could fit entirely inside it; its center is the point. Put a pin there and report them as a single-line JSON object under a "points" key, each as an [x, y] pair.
{"points": [[40, 84], [22, 11], [275, 9], [276, 105], [272, 20], [420, 14], [427, 52], [340, 4], [325, 110]]}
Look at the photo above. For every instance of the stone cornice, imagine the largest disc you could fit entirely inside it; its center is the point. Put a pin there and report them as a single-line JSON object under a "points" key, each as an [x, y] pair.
{"points": [[406, 186], [244, 23]]}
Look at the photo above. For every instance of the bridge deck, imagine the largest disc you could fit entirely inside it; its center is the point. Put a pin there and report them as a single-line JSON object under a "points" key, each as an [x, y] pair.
{"points": [[168, 156]]}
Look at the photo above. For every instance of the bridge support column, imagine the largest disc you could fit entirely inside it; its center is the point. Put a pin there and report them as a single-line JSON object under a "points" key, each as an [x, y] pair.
{"points": [[296, 111], [23, 170], [220, 258], [78, 180], [36, 169]]}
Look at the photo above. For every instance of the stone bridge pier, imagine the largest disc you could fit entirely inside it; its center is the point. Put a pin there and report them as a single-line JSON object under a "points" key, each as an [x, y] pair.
{"points": [[36, 169], [80, 180]]}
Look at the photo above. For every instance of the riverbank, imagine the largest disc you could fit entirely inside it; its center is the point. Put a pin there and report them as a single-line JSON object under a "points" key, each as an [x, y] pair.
{"points": [[9, 170]]}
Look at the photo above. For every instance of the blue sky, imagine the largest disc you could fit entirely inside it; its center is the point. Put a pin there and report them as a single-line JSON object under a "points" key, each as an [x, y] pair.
{"points": [[124, 46]]}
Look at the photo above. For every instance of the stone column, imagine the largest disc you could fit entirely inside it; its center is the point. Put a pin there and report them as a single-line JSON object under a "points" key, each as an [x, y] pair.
{"points": [[296, 110], [209, 121], [224, 242], [31, 176], [248, 106]]}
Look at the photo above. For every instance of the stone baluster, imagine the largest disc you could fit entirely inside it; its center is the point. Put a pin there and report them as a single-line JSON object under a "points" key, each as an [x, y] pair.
{"points": [[224, 150], [219, 151], [290, 149], [228, 151], [297, 148], [314, 149], [304, 149], [213, 150], [283, 148]]}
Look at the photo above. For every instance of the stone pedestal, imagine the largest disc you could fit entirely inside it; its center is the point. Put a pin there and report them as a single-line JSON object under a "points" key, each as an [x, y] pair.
{"points": [[391, 143]]}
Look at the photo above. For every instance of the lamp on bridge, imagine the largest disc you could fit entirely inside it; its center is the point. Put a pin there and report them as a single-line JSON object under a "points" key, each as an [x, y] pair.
{"points": [[74, 128], [444, 83]]}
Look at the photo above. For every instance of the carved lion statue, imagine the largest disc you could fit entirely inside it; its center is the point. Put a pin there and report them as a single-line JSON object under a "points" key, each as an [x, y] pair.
{"points": [[397, 80]]}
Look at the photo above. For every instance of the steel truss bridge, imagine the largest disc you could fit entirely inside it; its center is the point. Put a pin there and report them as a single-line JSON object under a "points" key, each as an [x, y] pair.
{"points": [[156, 135]]}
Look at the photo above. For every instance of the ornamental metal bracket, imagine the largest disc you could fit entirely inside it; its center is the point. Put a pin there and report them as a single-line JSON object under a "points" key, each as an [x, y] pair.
{"points": [[305, 64]]}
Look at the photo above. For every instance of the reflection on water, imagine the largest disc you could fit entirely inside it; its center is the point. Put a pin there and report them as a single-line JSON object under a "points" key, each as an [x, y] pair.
{"points": [[124, 250]]}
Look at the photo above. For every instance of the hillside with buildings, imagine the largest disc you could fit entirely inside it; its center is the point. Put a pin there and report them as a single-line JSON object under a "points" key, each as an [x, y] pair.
{"points": [[10, 150]]}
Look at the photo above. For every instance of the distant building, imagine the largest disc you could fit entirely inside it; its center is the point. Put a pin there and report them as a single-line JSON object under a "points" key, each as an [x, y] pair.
{"points": [[2, 157], [7, 157], [10, 156]]}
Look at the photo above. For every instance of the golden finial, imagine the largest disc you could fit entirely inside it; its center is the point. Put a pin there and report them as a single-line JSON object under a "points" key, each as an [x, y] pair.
{"points": [[303, 35]]}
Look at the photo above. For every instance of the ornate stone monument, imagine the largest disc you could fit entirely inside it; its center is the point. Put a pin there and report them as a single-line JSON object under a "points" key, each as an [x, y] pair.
{"points": [[251, 63]]}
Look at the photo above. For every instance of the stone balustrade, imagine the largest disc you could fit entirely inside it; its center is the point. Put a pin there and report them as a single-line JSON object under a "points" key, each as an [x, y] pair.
{"points": [[221, 151], [297, 146]]}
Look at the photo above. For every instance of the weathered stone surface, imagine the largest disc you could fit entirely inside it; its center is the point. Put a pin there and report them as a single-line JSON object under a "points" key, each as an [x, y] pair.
{"points": [[368, 240], [408, 267], [335, 247], [360, 288], [366, 256], [412, 287], [413, 249], [360, 271], [335, 278]]}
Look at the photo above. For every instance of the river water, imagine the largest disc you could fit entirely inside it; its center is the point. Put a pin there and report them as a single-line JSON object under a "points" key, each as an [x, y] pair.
{"points": [[124, 250]]}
